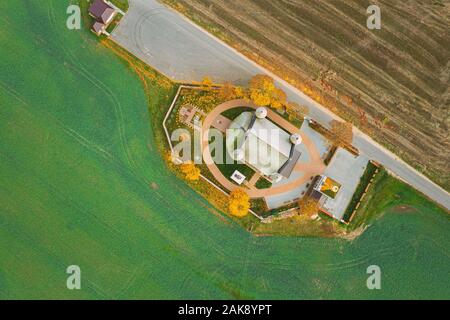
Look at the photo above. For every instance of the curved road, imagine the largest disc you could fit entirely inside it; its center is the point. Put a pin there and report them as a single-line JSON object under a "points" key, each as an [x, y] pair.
{"points": [[184, 52]]}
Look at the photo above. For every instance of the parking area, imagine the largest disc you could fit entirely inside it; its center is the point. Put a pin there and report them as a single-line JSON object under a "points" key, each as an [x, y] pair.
{"points": [[347, 169], [178, 48]]}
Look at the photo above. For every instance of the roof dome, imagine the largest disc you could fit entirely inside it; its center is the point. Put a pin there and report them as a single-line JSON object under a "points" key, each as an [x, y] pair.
{"points": [[261, 112], [295, 138], [276, 177]]}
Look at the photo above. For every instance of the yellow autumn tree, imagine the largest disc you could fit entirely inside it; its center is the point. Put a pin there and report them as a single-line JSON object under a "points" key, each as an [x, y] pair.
{"points": [[239, 203], [263, 92], [207, 83], [278, 98], [168, 156], [191, 172], [308, 206], [341, 132], [240, 92]]}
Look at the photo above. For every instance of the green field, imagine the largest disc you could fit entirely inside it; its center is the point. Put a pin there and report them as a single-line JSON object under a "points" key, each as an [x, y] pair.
{"points": [[82, 183]]}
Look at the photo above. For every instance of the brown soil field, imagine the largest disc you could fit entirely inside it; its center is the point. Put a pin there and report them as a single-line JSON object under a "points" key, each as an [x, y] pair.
{"points": [[392, 83]]}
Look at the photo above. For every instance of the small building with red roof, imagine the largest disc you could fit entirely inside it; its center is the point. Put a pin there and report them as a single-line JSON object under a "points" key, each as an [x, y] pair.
{"points": [[103, 13]]}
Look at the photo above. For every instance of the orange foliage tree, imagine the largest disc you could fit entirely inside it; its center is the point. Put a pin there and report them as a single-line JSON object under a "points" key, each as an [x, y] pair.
{"points": [[191, 172], [207, 83], [240, 92], [295, 110], [168, 156], [227, 91], [263, 92], [308, 206], [239, 203], [341, 132]]}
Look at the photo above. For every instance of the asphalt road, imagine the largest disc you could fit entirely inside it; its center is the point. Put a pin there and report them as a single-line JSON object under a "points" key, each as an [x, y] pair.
{"points": [[184, 52]]}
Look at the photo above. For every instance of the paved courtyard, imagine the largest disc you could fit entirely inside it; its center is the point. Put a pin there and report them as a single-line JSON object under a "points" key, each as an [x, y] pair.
{"points": [[346, 169]]}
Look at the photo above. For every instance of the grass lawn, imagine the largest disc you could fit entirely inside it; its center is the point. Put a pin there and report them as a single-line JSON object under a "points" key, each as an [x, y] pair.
{"points": [[83, 182], [229, 166], [263, 183], [233, 113], [121, 4], [228, 169], [388, 194]]}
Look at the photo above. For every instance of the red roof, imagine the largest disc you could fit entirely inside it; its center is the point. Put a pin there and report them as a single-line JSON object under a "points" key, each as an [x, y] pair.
{"points": [[98, 27], [101, 10]]}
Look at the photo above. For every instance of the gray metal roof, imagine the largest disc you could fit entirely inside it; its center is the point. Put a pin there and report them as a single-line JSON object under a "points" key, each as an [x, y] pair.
{"points": [[287, 168]]}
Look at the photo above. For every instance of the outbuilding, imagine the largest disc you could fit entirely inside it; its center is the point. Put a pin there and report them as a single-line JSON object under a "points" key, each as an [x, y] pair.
{"points": [[103, 13]]}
